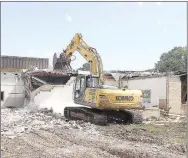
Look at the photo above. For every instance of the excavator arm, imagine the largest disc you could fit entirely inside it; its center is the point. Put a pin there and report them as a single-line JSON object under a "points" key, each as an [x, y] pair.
{"points": [[89, 53]]}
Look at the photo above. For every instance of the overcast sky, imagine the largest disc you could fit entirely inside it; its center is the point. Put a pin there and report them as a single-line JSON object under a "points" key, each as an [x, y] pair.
{"points": [[127, 35]]}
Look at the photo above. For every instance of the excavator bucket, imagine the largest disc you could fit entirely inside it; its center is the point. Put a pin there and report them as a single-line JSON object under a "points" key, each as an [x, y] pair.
{"points": [[62, 67], [61, 64]]}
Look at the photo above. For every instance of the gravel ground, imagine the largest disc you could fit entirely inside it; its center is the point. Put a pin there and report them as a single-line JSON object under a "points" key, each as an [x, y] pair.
{"points": [[44, 134]]}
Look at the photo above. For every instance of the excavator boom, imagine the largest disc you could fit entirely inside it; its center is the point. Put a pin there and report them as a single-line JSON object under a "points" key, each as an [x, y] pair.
{"points": [[90, 54]]}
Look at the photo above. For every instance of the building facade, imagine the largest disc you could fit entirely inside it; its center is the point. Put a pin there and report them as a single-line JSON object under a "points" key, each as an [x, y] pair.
{"points": [[12, 90], [153, 89], [12, 86], [166, 92]]}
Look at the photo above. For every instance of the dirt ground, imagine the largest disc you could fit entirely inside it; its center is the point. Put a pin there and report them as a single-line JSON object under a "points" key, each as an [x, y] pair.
{"points": [[47, 135]]}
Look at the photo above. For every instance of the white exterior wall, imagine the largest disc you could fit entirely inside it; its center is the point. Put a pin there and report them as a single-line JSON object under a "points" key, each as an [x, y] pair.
{"points": [[174, 95], [156, 85], [167, 88], [13, 89], [111, 83]]}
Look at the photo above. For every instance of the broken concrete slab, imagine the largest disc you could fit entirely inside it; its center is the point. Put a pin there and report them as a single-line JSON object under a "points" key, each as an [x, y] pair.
{"points": [[152, 113]]}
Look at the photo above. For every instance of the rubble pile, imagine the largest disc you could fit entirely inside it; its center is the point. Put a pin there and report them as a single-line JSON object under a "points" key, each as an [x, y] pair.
{"points": [[16, 122], [29, 134]]}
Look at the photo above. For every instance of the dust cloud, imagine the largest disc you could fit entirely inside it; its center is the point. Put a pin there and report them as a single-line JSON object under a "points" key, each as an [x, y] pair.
{"points": [[61, 96]]}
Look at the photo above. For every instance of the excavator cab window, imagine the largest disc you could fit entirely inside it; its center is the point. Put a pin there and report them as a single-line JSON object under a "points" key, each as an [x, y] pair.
{"points": [[92, 82], [80, 86]]}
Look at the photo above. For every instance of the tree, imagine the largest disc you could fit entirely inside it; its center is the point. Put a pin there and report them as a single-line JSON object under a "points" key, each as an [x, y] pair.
{"points": [[174, 60], [85, 67]]}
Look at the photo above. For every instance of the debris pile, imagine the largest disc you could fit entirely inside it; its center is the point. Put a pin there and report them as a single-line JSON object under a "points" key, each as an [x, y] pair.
{"points": [[41, 131], [16, 122]]}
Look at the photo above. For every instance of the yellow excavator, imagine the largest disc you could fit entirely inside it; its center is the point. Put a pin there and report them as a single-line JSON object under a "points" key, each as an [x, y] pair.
{"points": [[101, 104]]}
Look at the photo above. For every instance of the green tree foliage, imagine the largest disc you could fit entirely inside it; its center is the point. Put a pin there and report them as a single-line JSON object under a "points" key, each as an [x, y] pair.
{"points": [[85, 67], [174, 60]]}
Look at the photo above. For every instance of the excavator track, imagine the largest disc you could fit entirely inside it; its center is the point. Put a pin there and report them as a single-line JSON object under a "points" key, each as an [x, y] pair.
{"points": [[103, 117], [136, 116], [85, 114]]}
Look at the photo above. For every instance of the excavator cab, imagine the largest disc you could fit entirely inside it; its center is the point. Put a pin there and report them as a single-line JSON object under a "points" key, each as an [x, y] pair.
{"points": [[79, 87], [81, 83]]}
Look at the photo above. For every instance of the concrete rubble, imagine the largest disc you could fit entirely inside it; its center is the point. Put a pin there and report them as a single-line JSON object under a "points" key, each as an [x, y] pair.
{"points": [[29, 132], [16, 122], [49, 134]]}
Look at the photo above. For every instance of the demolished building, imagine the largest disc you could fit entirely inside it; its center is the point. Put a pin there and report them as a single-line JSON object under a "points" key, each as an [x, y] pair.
{"points": [[168, 91], [15, 86]]}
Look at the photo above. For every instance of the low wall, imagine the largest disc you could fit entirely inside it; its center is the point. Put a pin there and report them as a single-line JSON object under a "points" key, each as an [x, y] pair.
{"points": [[12, 88], [14, 100], [151, 112]]}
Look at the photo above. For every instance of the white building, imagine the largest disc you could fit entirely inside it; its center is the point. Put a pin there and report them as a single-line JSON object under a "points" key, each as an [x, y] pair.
{"points": [[166, 92], [12, 89], [153, 89]]}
